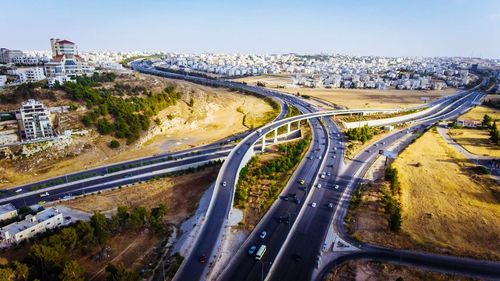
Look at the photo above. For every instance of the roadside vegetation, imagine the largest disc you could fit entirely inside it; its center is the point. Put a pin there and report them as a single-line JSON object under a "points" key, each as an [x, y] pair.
{"points": [[358, 138], [59, 254], [263, 178], [357, 118], [433, 199]]}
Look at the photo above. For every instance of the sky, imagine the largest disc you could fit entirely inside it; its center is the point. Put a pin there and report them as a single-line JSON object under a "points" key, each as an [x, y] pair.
{"points": [[354, 27]]}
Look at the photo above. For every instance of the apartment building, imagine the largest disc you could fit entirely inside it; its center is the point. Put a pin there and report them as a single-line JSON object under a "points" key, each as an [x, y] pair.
{"points": [[31, 226], [7, 211], [7, 56], [34, 121], [66, 60], [30, 75]]}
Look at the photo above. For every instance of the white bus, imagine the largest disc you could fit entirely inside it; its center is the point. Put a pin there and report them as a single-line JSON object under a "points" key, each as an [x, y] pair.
{"points": [[260, 252]]}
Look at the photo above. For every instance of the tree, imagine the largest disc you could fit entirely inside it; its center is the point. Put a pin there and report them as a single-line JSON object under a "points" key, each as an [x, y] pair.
{"points": [[87, 121], [120, 273], [101, 228], [69, 238], [86, 234], [495, 134], [72, 271], [486, 121], [6, 274], [395, 219], [114, 144], [20, 270]]}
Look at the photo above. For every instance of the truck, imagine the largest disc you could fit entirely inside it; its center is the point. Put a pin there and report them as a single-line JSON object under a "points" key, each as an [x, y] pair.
{"points": [[44, 194]]}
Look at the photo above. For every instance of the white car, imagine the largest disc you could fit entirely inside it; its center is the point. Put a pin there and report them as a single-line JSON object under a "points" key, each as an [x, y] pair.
{"points": [[322, 176], [319, 185], [19, 190], [336, 186], [224, 183], [313, 204]]}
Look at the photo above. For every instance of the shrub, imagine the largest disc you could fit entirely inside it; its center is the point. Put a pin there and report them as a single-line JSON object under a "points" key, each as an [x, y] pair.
{"points": [[114, 144]]}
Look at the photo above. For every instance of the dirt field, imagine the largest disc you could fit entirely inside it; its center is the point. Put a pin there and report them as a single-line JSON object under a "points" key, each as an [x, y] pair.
{"points": [[475, 141], [367, 98], [375, 271], [217, 113], [446, 207], [180, 194], [468, 226], [478, 112], [272, 81]]}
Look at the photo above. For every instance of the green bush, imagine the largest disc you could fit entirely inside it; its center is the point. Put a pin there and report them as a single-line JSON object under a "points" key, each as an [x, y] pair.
{"points": [[114, 144]]}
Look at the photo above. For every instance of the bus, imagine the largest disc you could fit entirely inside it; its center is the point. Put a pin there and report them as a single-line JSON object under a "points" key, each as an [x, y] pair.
{"points": [[260, 252]]}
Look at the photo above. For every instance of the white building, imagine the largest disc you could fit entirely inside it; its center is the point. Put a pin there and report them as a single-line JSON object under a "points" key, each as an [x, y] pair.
{"points": [[32, 225], [7, 211], [30, 75], [66, 60], [3, 80], [51, 81], [34, 121]]}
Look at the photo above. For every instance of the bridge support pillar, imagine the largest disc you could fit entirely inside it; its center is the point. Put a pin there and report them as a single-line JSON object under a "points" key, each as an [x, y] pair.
{"points": [[288, 127], [298, 125], [263, 148], [276, 135]]}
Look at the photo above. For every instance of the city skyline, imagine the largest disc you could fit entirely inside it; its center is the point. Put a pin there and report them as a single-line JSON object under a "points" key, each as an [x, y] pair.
{"points": [[426, 28]]}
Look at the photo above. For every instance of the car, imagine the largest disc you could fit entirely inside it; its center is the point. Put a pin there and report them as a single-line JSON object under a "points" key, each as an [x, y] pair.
{"points": [[313, 204], [224, 183], [336, 186], [296, 257], [383, 142], [328, 174], [203, 259], [19, 190], [322, 176], [252, 249], [263, 234], [318, 185], [67, 218], [44, 194], [319, 157], [297, 200], [330, 205], [302, 181], [238, 152]]}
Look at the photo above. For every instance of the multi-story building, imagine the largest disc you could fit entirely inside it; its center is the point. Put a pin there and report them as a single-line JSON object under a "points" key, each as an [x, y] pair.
{"points": [[34, 121], [66, 60], [30, 75], [7, 211], [31, 226], [7, 56]]}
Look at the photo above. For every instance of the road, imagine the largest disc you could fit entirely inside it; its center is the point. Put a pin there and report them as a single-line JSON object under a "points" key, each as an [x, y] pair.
{"points": [[296, 259], [308, 243]]}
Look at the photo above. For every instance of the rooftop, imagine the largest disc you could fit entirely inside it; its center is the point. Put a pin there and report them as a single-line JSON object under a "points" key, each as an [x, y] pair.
{"points": [[7, 208]]}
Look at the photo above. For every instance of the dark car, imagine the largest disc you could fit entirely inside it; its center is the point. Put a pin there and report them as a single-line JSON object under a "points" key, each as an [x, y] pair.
{"points": [[296, 257], [203, 259]]}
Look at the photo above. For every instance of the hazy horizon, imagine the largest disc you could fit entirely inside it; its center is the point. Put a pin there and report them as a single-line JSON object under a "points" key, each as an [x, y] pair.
{"points": [[440, 28]]}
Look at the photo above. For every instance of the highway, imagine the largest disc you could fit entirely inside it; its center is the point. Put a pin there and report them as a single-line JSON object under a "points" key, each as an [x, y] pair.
{"points": [[307, 242], [295, 256]]}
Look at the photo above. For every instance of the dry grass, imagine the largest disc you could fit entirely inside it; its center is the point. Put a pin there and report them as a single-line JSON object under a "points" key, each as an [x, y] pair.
{"points": [[180, 194], [376, 271], [478, 112], [272, 81], [475, 141], [367, 98], [445, 207]]}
